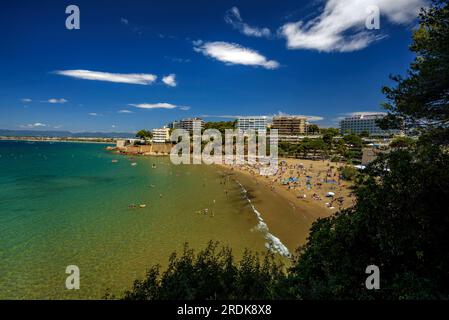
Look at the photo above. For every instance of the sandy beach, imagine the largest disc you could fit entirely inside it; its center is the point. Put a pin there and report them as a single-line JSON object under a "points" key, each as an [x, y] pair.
{"points": [[303, 185]]}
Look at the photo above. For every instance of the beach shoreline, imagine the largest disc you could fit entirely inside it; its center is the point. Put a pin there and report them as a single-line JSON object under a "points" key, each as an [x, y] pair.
{"points": [[292, 225]]}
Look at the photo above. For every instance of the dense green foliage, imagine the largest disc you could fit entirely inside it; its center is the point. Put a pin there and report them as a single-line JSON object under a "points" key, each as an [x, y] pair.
{"points": [[312, 146], [421, 101], [220, 125], [212, 274], [349, 172], [144, 134], [399, 223], [402, 142], [313, 129]]}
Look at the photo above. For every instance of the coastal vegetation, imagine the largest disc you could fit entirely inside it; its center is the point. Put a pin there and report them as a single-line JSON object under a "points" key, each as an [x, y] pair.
{"points": [[144, 134], [399, 222], [220, 125]]}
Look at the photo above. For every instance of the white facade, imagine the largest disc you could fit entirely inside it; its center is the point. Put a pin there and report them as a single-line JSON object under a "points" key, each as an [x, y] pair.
{"points": [[252, 123], [364, 123], [161, 135]]}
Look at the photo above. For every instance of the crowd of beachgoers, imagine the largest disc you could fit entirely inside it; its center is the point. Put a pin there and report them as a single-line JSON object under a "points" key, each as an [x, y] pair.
{"points": [[306, 180]]}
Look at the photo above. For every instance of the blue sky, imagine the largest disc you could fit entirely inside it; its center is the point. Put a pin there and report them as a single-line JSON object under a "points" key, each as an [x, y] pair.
{"points": [[195, 58]]}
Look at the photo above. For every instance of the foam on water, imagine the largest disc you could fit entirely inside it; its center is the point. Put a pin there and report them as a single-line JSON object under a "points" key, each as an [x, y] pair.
{"points": [[273, 243]]}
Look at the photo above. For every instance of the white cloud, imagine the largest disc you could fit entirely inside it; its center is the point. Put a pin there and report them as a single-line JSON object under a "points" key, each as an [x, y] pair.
{"points": [[309, 118], [132, 78], [314, 118], [124, 111], [26, 100], [232, 53], [170, 80], [161, 105], [34, 125], [233, 17], [54, 100], [341, 25], [363, 113], [124, 21], [184, 108], [113, 126], [93, 114], [176, 59]]}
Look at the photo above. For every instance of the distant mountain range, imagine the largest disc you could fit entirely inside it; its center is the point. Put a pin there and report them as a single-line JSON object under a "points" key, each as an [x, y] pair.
{"points": [[62, 134]]}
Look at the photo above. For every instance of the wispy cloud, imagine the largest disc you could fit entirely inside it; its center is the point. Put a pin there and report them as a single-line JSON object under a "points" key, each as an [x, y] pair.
{"points": [[124, 111], [309, 118], [34, 125], [176, 59], [363, 113], [125, 22], [26, 100], [131, 78], [56, 101], [170, 80], [161, 105], [341, 25], [93, 114], [232, 53], [314, 118], [233, 17]]}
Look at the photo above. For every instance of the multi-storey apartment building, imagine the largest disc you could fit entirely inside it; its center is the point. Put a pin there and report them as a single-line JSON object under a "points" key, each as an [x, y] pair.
{"points": [[290, 128], [188, 124], [252, 123], [365, 123], [161, 135]]}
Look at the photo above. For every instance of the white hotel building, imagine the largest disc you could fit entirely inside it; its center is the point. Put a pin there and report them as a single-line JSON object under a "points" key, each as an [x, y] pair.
{"points": [[365, 123], [252, 122], [161, 135]]}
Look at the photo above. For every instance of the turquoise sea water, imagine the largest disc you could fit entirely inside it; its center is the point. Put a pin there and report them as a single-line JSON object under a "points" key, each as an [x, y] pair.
{"points": [[68, 204]]}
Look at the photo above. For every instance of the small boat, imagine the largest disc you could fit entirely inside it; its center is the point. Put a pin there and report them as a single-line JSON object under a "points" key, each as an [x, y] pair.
{"points": [[114, 161], [142, 206], [134, 164]]}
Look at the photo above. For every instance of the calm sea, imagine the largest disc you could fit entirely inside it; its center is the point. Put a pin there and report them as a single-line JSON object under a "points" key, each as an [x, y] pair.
{"points": [[68, 204]]}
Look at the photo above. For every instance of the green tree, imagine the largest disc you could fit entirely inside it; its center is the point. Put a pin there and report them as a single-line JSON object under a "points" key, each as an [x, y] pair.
{"points": [[220, 125], [353, 139], [402, 142], [421, 100], [313, 129], [212, 273], [364, 134], [144, 134], [328, 136], [399, 222]]}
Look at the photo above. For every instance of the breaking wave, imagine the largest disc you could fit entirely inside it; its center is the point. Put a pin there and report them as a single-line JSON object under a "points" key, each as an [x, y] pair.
{"points": [[273, 243]]}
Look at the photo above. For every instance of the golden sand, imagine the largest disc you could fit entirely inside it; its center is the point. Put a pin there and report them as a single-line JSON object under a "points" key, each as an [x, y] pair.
{"points": [[287, 212]]}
